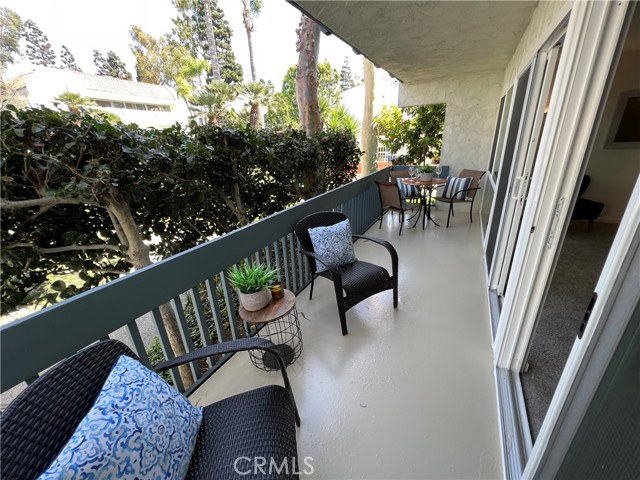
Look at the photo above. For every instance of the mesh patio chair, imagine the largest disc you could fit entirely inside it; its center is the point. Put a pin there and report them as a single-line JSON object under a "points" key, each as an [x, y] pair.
{"points": [[40, 421], [463, 195], [391, 199], [352, 282]]}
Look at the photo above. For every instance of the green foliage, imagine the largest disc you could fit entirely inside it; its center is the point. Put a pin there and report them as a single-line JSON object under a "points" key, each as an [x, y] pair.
{"points": [[251, 278], [76, 103], [426, 169], [213, 102], [68, 60], [339, 119], [110, 66], [190, 31], [346, 77], [419, 129], [10, 32], [284, 109], [39, 49], [256, 94], [181, 186]]}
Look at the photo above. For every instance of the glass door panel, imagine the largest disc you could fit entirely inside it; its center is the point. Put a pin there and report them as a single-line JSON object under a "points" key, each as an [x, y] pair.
{"points": [[524, 171]]}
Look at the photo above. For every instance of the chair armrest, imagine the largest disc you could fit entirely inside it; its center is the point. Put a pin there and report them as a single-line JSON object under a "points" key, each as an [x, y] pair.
{"points": [[330, 266], [390, 248], [234, 346], [465, 190]]}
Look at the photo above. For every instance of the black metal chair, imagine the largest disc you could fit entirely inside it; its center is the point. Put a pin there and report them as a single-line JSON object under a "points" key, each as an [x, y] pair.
{"points": [[39, 422], [358, 280], [469, 193]]}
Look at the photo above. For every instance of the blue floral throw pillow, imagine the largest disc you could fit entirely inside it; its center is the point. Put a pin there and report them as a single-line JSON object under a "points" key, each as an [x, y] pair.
{"points": [[334, 244], [139, 427]]}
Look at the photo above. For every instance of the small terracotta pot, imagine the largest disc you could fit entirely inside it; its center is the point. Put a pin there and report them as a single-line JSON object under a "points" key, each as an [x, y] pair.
{"points": [[255, 301]]}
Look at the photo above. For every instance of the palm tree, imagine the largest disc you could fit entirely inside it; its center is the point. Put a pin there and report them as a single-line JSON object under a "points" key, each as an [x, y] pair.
{"points": [[74, 101], [255, 95], [308, 47], [214, 100], [339, 119], [251, 9], [211, 40]]}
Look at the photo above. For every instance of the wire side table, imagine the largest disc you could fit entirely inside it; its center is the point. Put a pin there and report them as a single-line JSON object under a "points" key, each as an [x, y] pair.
{"points": [[281, 326]]}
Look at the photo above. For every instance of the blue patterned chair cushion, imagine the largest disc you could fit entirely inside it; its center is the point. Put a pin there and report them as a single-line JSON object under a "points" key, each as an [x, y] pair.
{"points": [[139, 427], [457, 184], [407, 191], [334, 244]]}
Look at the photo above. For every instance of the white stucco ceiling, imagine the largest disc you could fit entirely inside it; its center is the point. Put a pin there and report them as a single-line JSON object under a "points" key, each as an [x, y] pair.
{"points": [[419, 40]]}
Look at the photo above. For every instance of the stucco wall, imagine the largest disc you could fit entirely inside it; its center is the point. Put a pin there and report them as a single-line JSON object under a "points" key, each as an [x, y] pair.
{"points": [[614, 171], [545, 19], [472, 105]]}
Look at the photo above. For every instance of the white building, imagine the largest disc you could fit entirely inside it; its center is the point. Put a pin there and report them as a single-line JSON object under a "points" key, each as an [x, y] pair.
{"points": [[145, 104]]}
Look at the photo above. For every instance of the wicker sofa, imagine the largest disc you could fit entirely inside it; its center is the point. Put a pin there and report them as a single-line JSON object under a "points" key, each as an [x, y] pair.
{"points": [[258, 423]]}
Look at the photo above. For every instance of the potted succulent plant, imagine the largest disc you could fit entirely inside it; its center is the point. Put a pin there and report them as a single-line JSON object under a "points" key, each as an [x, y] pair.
{"points": [[425, 172], [252, 282]]}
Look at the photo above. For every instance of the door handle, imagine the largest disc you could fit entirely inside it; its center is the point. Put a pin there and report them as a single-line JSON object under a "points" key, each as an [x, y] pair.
{"points": [[587, 314], [519, 189]]}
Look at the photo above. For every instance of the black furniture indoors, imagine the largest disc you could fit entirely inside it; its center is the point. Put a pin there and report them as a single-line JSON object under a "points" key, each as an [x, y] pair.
{"points": [[40, 421], [358, 280], [586, 209]]}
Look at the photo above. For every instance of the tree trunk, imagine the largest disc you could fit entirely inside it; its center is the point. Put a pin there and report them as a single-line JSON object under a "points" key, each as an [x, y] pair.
{"points": [[307, 76], [254, 117], [138, 253], [211, 40], [248, 25], [368, 137]]}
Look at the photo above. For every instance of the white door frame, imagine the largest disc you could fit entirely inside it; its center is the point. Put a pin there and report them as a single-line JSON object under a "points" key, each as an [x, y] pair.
{"points": [[589, 48], [546, 63], [618, 290]]}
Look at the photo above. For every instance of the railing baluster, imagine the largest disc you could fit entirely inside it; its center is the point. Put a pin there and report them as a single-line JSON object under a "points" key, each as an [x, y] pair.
{"points": [[215, 309], [201, 319], [166, 347], [185, 334], [228, 298], [179, 274], [300, 263], [276, 251], [283, 242], [138, 344], [294, 262]]}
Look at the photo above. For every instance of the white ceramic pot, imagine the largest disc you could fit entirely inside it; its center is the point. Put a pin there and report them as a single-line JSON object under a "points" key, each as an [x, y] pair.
{"points": [[255, 301], [426, 177]]}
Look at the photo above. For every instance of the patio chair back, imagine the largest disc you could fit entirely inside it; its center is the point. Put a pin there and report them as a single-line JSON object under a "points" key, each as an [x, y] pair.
{"points": [[39, 422], [476, 176]]}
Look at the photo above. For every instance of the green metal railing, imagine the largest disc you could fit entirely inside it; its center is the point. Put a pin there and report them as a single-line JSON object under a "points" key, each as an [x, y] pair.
{"points": [[31, 345]]}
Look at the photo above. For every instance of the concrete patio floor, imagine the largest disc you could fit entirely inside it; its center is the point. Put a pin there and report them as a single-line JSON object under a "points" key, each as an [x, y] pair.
{"points": [[410, 392]]}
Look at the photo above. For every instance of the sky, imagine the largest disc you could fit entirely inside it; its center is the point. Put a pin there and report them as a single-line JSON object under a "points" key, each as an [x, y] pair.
{"points": [[84, 25]]}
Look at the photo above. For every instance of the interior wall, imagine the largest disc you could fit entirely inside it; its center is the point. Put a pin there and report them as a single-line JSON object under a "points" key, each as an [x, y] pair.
{"points": [[472, 105], [614, 171]]}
